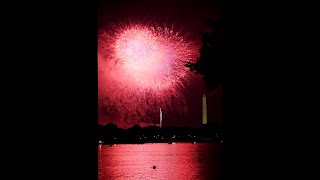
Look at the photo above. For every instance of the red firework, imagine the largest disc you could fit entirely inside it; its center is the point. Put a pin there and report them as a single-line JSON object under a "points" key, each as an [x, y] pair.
{"points": [[141, 68]]}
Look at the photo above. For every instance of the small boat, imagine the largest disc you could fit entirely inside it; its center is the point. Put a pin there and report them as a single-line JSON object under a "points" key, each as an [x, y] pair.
{"points": [[100, 142]]}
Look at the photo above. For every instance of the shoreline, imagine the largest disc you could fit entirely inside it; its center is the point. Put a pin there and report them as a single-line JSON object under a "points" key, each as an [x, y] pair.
{"points": [[175, 142]]}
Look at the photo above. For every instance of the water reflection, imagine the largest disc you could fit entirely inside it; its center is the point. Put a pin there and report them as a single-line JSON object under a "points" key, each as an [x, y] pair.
{"points": [[172, 161]]}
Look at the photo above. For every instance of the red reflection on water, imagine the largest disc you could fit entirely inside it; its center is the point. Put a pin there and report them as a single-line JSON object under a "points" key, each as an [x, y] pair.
{"points": [[173, 161]]}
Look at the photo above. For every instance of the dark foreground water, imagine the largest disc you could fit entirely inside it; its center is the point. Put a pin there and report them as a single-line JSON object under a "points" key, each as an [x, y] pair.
{"points": [[173, 161]]}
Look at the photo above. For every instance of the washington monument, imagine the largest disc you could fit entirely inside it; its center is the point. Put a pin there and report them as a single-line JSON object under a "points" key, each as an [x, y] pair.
{"points": [[204, 109], [160, 118]]}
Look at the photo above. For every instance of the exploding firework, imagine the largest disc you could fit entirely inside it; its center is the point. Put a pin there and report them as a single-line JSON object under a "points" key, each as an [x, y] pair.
{"points": [[141, 69]]}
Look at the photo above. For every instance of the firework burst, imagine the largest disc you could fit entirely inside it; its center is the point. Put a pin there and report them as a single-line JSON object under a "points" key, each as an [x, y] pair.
{"points": [[141, 68]]}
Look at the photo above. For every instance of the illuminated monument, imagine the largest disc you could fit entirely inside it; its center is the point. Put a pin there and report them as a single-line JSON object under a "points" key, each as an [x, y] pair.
{"points": [[160, 118], [204, 109]]}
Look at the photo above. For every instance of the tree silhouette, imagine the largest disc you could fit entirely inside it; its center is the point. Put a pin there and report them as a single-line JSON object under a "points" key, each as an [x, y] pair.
{"points": [[111, 127], [209, 64]]}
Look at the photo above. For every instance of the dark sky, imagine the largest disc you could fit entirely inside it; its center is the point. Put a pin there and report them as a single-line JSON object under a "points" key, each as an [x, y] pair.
{"points": [[189, 14]]}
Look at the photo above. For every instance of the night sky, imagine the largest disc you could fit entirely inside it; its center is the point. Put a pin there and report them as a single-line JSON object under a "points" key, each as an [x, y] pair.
{"points": [[191, 16]]}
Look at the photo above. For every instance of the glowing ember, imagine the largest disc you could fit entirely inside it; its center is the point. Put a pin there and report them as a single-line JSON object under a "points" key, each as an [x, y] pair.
{"points": [[141, 68]]}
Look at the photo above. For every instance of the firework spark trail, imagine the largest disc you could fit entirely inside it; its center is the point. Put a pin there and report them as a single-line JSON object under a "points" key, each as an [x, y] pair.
{"points": [[141, 68]]}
